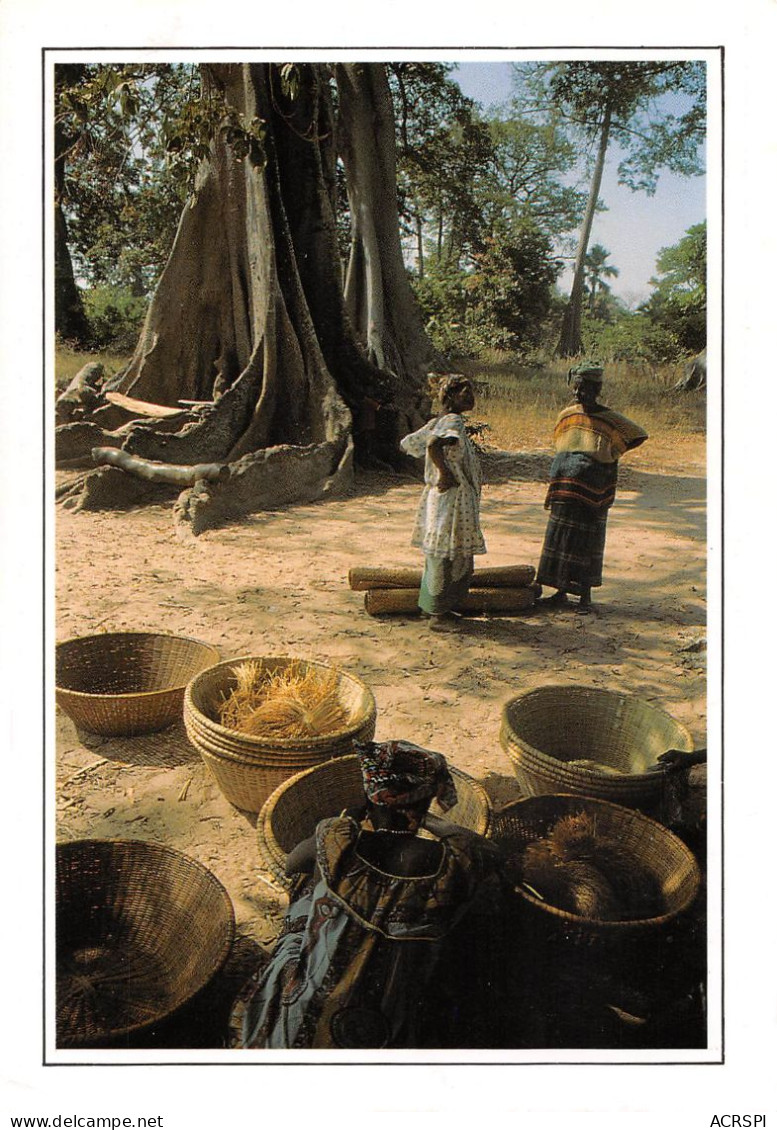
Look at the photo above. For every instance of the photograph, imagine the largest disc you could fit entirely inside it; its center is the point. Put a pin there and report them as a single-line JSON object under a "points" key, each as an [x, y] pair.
{"points": [[382, 388], [386, 661]]}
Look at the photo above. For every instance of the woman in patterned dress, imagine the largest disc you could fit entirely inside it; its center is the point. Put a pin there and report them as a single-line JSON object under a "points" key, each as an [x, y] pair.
{"points": [[369, 914], [589, 440], [447, 527]]}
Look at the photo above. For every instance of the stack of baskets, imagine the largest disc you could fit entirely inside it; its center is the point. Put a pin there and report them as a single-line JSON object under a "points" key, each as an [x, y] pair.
{"points": [[658, 852], [248, 767], [549, 731], [291, 814], [141, 929], [124, 683]]}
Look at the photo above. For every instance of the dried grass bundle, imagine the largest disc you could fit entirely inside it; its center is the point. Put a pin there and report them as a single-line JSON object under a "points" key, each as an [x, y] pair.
{"points": [[296, 701], [580, 869], [595, 766]]}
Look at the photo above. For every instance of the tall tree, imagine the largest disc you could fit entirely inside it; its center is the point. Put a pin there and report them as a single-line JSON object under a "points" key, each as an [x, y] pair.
{"points": [[248, 331], [624, 102]]}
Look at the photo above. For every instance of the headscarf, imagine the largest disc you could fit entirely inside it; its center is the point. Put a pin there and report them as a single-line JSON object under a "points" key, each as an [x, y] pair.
{"points": [[587, 371], [453, 383], [399, 774]]}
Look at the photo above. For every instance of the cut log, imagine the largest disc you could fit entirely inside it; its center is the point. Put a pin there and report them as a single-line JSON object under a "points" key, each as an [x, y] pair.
{"points": [[142, 407], [159, 472], [364, 577], [380, 601]]}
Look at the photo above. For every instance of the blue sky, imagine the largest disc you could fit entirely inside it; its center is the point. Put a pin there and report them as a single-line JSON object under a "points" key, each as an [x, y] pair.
{"points": [[635, 226]]}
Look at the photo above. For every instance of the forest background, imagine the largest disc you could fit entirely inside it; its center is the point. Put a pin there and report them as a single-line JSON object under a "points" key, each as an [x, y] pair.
{"points": [[496, 208]]}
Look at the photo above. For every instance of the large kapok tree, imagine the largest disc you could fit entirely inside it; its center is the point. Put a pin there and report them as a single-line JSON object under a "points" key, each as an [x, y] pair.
{"points": [[260, 363]]}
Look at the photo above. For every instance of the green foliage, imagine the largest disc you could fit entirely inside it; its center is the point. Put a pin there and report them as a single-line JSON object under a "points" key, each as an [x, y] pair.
{"points": [[512, 288], [504, 302], [629, 336], [130, 138], [442, 149], [679, 301], [651, 132], [444, 300], [672, 324], [115, 317]]}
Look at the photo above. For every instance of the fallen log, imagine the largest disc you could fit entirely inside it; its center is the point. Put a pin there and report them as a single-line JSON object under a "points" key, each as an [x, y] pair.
{"points": [[174, 474], [380, 601], [364, 577], [142, 407]]}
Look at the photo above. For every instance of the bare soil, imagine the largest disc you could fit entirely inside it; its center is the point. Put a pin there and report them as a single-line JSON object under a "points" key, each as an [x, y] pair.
{"points": [[276, 584]]}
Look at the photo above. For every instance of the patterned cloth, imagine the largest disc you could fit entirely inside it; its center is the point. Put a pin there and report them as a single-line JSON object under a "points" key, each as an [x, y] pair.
{"points": [[398, 774], [573, 550], [448, 522], [358, 948], [583, 481], [602, 433], [578, 477]]}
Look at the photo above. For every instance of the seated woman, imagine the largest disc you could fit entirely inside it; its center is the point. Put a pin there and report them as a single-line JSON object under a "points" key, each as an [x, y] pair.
{"points": [[369, 913]]}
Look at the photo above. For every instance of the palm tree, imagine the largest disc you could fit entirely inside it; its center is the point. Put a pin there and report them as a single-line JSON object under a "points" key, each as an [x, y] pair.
{"points": [[597, 269]]}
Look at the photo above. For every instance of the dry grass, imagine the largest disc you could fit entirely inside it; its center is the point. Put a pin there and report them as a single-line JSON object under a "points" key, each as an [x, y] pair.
{"points": [[579, 869], [296, 701], [520, 404], [68, 362]]}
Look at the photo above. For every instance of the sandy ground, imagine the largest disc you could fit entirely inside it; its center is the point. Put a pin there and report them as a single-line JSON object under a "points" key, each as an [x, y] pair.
{"points": [[276, 583]]}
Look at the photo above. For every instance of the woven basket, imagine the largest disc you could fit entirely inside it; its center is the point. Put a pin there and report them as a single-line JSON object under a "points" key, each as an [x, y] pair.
{"points": [[291, 814], [544, 729], [655, 849], [140, 929], [247, 767], [123, 683]]}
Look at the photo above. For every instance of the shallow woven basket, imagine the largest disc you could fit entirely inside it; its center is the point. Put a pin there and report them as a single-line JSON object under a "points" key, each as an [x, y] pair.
{"points": [[127, 682], [291, 814], [544, 729], [140, 928], [248, 768], [657, 850]]}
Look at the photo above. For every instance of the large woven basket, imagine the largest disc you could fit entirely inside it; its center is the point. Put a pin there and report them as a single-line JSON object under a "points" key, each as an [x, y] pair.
{"points": [[549, 727], [140, 928], [291, 814], [247, 767], [127, 682], [655, 849]]}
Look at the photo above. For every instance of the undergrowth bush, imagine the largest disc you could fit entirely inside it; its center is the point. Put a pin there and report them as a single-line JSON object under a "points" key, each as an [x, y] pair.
{"points": [[115, 317]]}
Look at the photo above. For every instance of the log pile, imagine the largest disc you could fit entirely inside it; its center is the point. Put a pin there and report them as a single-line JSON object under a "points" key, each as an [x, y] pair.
{"points": [[503, 588]]}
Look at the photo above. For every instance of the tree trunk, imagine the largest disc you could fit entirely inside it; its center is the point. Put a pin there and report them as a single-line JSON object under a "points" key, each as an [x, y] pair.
{"points": [[378, 296], [69, 314], [249, 320], [419, 229], [571, 340]]}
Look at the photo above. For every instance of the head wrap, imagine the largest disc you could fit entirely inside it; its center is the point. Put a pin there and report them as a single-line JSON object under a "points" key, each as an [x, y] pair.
{"points": [[587, 371], [399, 774], [455, 382]]}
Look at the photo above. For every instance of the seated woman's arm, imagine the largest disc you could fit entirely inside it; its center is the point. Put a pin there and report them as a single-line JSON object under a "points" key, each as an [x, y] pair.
{"points": [[302, 858]]}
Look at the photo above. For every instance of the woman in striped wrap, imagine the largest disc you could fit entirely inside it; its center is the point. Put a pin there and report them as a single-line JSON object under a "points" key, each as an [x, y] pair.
{"points": [[589, 440]]}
